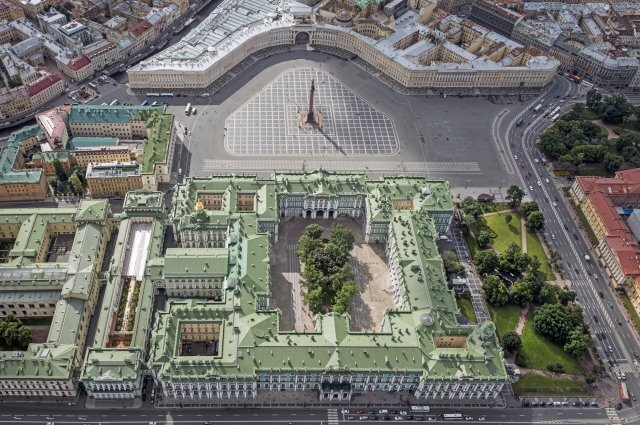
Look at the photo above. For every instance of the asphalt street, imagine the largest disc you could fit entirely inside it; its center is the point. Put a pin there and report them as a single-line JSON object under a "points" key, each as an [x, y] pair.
{"points": [[605, 315], [335, 415]]}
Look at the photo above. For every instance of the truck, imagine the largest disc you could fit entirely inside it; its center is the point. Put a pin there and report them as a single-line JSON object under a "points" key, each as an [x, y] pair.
{"points": [[519, 121], [624, 394]]}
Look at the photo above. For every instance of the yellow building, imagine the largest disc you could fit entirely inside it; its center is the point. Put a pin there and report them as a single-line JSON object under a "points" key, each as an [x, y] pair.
{"points": [[113, 179]]}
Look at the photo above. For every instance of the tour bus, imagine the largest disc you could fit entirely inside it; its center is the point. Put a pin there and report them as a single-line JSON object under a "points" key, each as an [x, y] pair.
{"points": [[537, 108], [153, 94], [114, 102], [144, 103], [452, 416], [555, 117], [420, 409], [93, 86], [166, 94], [187, 110]]}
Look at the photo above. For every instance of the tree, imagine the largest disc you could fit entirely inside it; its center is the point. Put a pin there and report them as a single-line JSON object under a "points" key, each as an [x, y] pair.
{"points": [[578, 343], [471, 207], [495, 291], [452, 265], [342, 237], [486, 261], [556, 321], [23, 337], [612, 162], [594, 100], [59, 170], [511, 341], [535, 221], [76, 184], [485, 239], [615, 108], [566, 296], [343, 297], [512, 260], [555, 367], [309, 241], [528, 207], [515, 195], [315, 299], [521, 293], [508, 218]]}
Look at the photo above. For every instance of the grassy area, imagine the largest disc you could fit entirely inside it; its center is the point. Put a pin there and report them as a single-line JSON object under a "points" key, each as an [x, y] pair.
{"points": [[505, 318], [533, 385], [506, 233], [491, 207], [466, 308], [537, 351], [632, 312], [35, 321], [534, 249], [583, 220]]}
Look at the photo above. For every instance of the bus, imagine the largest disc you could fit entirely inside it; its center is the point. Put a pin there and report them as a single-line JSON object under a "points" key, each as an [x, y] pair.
{"points": [[452, 416], [144, 103], [587, 85], [114, 102], [537, 108], [153, 94], [93, 86], [166, 94], [519, 122], [420, 409], [187, 110], [555, 117]]}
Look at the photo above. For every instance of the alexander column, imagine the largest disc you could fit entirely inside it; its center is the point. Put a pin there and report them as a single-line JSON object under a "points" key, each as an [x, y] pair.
{"points": [[311, 119]]}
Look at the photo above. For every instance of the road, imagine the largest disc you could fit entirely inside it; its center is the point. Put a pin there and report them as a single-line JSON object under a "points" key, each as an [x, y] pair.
{"points": [[331, 416], [604, 314]]}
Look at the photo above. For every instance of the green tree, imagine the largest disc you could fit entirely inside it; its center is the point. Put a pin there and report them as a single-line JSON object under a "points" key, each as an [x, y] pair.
{"points": [[615, 108], [471, 207], [515, 195], [315, 300], [495, 291], [512, 260], [521, 293], [76, 184], [555, 367], [11, 333], [535, 221], [309, 241], [578, 343], [452, 265], [508, 218], [511, 342], [343, 297], [23, 337], [59, 170], [556, 321], [566, 296], [485, 238], [486, 261], [528, 207], [342, 237], [594, 100], [612, 162]]}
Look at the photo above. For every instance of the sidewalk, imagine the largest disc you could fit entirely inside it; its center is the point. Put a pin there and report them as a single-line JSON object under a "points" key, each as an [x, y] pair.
{"points": [[92, 403]]}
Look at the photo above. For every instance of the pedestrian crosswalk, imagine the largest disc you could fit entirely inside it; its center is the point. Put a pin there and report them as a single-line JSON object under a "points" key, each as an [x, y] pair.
{"points": [[613, 415], [624, 367], [332, 416]]}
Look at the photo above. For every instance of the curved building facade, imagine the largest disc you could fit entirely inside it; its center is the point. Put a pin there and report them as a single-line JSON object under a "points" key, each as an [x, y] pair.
{"points": [[454, 53]]}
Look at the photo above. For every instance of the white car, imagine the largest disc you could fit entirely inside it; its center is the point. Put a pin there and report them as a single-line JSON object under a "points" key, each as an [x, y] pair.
{"points": [[536, 160], [539, 183], [554, 204], [530, 187], [546, 180], [515, 157]]}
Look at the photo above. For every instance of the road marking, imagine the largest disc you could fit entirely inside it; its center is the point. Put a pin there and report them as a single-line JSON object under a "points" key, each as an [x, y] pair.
{"points": [[332, 416]]}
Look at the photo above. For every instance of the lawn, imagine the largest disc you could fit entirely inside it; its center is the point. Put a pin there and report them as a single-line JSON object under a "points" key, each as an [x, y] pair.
{"points": [[537, 351], [505, 317], [632, 312], [534, 249], [466, 308], [533, 385], [506, 233], [583, 220]]}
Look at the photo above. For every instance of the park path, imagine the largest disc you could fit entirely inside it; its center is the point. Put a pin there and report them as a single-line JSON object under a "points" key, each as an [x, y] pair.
{"points": [[521, 320], [523, 235]]}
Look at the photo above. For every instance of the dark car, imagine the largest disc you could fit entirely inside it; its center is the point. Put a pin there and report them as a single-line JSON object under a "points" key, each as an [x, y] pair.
{"points": [[601, 294], [595, 318], [619, 406]]}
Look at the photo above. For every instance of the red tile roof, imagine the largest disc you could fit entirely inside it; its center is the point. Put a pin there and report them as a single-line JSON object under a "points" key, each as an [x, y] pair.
{"points": [[43, 84], [139, 28], [628, 253], [79, 63]]}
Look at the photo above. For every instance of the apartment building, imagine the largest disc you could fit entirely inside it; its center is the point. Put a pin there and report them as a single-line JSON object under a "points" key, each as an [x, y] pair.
{"points": [[113, 179], [604, 202], [16, 182], [78, 69], [496, 17], [10, 11], [45, 89], [53, 123]]}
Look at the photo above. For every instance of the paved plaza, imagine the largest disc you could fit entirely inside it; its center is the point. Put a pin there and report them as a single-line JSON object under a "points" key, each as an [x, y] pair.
{"points": [[267, 124]]}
